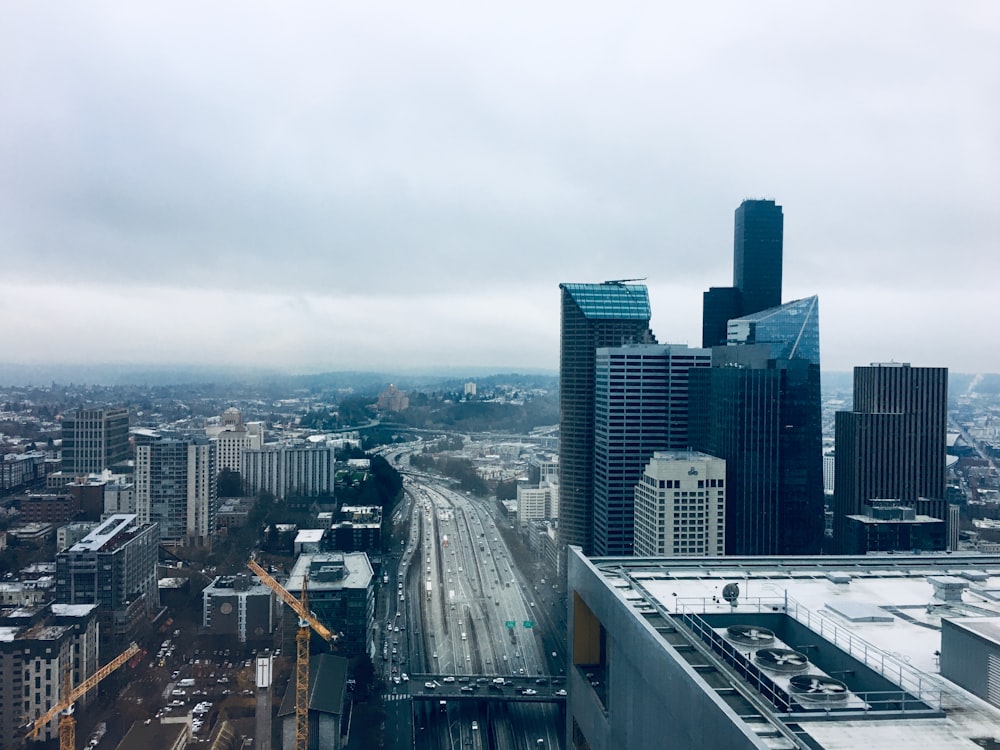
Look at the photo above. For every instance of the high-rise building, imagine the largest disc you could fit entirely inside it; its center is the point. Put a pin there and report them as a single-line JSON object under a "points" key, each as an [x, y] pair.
{"points": [[680, 505], [175, 486], [593, 316], [757, 270], [94, 440], [114, 566], [287, 470], [881, 652], [757, 251], [640, 406], [759, 408], [892, 444]]}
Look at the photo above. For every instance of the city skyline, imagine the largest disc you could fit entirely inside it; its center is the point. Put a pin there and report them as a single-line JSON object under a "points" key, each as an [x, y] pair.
{"points": [[330, 188]]}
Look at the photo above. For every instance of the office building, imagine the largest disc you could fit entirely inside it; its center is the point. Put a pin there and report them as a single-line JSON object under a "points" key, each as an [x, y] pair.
{"points": [[680, 505], [341, 595], [114, 567], [757, 270], [175, 486], [757, 255], [592, 316], [239, 606], [889, 526], [758, 407], [38, 645], [94, 440], [539, 503], [640, 406], [290, 470], [892, 444], [814, 653]]}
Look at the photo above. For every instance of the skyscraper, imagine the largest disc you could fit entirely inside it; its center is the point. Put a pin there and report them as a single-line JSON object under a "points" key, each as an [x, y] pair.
{"points": [[593, 316], [93, 440], [757, 251], [757, 266], [175, 486], [640, 406], [892, 444], [758, 407]]}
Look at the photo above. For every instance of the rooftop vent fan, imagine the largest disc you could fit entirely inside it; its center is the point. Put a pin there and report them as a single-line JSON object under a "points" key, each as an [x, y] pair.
{"points": [[781, 660], [817, 688], [750, 635]]}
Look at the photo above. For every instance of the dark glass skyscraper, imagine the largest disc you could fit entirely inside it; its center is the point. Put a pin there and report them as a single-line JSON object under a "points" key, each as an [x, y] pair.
{"points": [[892, 444], [759, 408], [593, 316], [757, 262], [757, 250]]}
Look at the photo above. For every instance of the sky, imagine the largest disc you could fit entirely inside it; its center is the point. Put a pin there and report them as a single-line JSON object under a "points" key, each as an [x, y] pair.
{"points": [[395, 186]]}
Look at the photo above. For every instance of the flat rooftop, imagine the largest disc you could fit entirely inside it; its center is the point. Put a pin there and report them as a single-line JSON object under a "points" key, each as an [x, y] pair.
{"points": [[884, 610]]}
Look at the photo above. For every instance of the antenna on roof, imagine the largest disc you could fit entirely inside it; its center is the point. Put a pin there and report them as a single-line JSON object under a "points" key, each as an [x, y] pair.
{"points": [[623, 281]]}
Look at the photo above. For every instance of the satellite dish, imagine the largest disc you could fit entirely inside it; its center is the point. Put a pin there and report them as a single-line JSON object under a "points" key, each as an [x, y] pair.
{"points": [[731, 593]]}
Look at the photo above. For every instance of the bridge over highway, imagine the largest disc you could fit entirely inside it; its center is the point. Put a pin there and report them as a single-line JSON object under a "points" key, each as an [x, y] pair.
{"points": [[504, 688]]}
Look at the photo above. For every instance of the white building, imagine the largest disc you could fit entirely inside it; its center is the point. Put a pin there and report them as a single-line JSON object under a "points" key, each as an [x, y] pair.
{"points": [[537, 503], [680, 505], [289, 470]]}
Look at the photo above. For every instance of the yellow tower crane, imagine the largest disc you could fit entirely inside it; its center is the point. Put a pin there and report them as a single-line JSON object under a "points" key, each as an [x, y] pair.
{"points": [[67, 724], [307, 623]]}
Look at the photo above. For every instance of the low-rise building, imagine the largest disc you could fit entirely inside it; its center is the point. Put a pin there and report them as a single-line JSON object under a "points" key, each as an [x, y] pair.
{"points": [[239, 605]]}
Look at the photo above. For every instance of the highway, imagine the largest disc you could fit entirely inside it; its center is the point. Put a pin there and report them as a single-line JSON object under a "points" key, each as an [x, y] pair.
{"points": [[460, 640]]}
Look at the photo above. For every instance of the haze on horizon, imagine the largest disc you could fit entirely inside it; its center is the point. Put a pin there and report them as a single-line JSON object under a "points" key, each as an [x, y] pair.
{"points": [[323, 187]]}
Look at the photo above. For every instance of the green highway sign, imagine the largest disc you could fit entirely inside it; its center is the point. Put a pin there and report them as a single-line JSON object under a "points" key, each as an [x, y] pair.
{"points": [[511, 624], [529, 623]]}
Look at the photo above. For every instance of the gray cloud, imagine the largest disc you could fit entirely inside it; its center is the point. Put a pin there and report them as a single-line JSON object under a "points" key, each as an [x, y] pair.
{"points": [[391, 159]]}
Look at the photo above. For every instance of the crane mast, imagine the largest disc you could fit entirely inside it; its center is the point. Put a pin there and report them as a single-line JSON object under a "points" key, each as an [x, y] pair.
{"points": [[67, 724], [307, 622]]}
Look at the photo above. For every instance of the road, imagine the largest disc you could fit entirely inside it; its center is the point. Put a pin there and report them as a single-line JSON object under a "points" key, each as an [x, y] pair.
{"points": [[465, 615]]}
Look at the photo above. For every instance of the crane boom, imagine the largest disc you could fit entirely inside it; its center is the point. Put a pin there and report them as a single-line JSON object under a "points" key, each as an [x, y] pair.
{"points": [[82, 689], [291, 601]]}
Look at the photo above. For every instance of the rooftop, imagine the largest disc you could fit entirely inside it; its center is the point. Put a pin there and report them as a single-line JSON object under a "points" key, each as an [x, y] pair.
{"points": [[884, 612], [611, 300]]}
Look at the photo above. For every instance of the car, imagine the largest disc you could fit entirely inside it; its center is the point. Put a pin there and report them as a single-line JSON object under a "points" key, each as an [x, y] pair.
{"points": [[499, 681], [529, 691], [429, 685], [561, 691], [541, 681], [406, 677], [466, 688], [435, 655], [449, 678]]}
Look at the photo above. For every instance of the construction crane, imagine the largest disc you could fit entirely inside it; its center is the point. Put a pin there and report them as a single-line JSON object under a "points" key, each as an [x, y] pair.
{"points": [[67, 724], [307, 623]]}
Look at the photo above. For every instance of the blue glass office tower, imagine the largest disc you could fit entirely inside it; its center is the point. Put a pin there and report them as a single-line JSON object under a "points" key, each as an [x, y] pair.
{"points": [[593, 316], [759, 408]]}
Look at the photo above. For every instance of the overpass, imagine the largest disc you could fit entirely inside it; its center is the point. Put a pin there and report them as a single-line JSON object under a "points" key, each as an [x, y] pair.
{"points": [[505, 688]]}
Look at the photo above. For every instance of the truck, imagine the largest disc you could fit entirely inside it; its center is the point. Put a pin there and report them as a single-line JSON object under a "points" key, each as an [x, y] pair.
{"points": [[428, 588]]}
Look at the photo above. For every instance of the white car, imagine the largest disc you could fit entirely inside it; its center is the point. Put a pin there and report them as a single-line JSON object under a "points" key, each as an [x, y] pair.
{"points": [[430, 685]]}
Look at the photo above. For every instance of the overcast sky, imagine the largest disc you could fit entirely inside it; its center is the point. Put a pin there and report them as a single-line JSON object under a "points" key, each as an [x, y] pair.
{"points": [[343, 185]]}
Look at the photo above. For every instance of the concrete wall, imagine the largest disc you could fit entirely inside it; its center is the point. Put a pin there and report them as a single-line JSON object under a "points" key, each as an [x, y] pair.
{"points": [[654, 699]]}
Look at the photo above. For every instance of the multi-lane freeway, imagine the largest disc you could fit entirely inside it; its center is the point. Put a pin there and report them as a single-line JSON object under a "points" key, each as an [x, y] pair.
{"points": [[460, 637]]}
